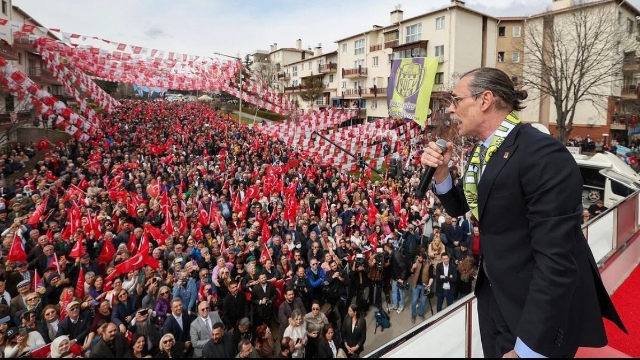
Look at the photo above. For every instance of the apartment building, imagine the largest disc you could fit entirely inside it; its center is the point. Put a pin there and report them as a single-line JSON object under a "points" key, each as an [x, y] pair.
{"points": [[15, 46], [462, 38], [510, 47], [606, 113]]}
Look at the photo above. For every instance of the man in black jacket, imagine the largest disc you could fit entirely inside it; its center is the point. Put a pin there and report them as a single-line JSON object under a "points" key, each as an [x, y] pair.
{"points": [[398, 276], [221, 345], [112, 345], [234, 306]]}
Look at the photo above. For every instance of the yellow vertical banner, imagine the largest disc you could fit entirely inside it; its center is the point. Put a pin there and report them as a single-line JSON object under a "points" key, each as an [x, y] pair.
{"points": [[410, 86]]}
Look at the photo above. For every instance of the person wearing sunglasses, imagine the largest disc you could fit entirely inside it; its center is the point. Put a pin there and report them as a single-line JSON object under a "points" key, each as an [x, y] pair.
{"points": [[538, 286], [170, 348], [201, 327]]}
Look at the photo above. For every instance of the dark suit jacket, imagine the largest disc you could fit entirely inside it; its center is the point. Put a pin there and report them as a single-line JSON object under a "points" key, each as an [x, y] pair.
{"points": [[225, 349], [356, 337], [264, 311], [324, 350], [78, 333], [101, 349], [543, 274], [451, 277], [171, 326]]}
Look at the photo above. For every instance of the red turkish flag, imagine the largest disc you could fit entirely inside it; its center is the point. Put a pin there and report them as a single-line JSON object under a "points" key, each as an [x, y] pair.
{"points": [[144, 246], [42, 352], [66, 299], [201, 295], [373, 211], [133, 263], [107, 252], [156, 234], [77, 250], [154, 188], [324, 209], [35, 217], [279, 285], [253, 191], [132, 245], [43, 143], [264, 255], [203, 217], [17, 253], [79, 290], [266, 233], [373, 239]]}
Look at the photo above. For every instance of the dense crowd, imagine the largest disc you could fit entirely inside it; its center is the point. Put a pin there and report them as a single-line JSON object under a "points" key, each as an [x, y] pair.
{"points": [[179, 233]]}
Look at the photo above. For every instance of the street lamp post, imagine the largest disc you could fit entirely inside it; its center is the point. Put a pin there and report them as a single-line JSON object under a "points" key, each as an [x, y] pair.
{"points": [[239, 85]]}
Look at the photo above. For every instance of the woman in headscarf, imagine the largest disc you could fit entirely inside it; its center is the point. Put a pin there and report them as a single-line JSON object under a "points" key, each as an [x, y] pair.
{"points": [[59, 346]]}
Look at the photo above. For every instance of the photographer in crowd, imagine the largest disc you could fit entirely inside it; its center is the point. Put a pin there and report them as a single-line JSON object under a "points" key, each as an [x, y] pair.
{"points": [[398, 277]]}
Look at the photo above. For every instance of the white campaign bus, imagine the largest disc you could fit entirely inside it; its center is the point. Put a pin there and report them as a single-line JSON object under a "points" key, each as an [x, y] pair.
{"points": [[606, 177]]}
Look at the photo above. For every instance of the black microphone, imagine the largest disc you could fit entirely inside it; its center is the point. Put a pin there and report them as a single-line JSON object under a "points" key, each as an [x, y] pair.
{"points": [[427, 175]]}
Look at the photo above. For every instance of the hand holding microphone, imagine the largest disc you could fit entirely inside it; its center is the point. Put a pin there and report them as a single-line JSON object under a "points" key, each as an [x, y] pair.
{"points": [[435, 158]]}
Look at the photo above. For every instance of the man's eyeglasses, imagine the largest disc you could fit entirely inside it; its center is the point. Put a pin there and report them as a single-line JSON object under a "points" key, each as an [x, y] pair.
{"points": [[455, 100], [205, 309]]}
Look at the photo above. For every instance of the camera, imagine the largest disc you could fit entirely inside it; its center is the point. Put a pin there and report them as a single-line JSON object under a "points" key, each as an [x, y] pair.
{"points": [[426, 289], [379, 257], [22, 331], [300, 284], [359, 260]]}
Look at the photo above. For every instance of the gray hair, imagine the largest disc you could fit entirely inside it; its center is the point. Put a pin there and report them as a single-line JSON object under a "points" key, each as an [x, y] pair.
{"points": [[498, 82]]}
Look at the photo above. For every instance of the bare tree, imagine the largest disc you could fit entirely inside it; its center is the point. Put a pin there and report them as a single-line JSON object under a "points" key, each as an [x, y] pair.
{"points": [[14, 113], [575, 57], [265, 70]]}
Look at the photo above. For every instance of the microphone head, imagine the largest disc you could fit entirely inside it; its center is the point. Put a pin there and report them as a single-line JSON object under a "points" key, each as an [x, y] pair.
{"points": [[442, 144]]}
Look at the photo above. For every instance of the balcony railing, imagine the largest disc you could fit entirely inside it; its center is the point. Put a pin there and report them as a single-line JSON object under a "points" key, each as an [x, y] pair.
{"points": [[39, 74], [354, 72], [329, 67], [284, 76], [390, 44], [373, 48], [629, 89], [294, 88], [7, 51]]}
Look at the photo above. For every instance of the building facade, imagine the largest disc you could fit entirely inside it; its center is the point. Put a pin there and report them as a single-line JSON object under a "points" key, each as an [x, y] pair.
{"points": [[356, 75], [611, 103]]}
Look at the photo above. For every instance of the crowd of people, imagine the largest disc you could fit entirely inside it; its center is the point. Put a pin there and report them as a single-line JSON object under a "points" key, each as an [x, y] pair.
{"points": [[180, 233]]}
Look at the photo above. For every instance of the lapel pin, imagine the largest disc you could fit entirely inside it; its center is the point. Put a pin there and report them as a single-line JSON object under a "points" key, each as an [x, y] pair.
{"points": [[506, 154]]}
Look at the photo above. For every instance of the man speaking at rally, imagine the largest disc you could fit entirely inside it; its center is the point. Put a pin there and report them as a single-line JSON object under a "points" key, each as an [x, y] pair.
{"points": [[539, 290]]}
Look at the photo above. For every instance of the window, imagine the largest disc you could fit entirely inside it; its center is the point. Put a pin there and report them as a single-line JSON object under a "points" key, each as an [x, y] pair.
{"points": [[309, 65], [344, 48], [358, 63], [331, 78], [4, 7], [392, 36], [344, 84], [439, 78], [439, 50], [502, 31], [414, 33], [358, 84], [619, 17], [19, 58], [359, 47], [302, 67], [516, 31], [629, 27], [390, 58], [374, 104], [440, 22], [294, 71], [515, 57], [500, 56], [375, 61]]}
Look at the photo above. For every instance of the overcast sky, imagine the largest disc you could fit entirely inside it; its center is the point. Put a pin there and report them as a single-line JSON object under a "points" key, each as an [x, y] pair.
{"points": [[201, 27]]}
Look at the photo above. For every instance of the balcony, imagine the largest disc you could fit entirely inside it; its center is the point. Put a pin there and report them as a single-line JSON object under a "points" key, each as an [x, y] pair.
{"points": [[373, 48], [354, 72], [375, 92], [284, 76], [42, 76], [294, 88], [391, 44], [629, 91], [328, 68], [7, 51], [439, 119], [20, 41]]}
